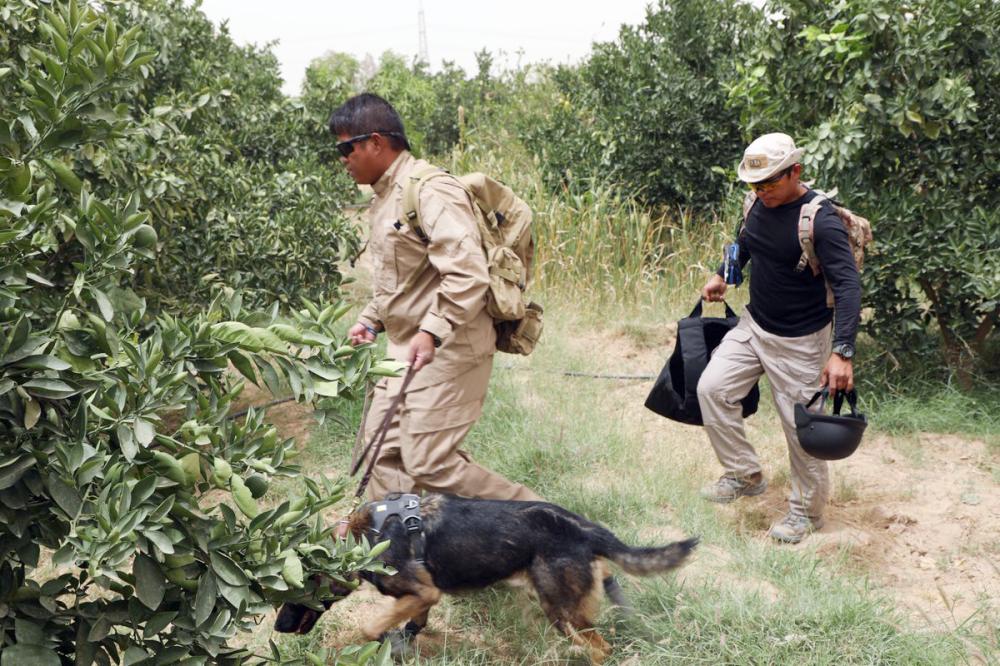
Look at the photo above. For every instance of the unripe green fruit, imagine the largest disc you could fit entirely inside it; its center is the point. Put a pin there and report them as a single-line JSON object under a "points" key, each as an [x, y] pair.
{"points": [[145, 237], [257, 485]]}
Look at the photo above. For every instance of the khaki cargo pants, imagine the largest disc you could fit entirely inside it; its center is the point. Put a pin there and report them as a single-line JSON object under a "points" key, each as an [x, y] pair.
{"points": [[421, 449], [793, 367]]}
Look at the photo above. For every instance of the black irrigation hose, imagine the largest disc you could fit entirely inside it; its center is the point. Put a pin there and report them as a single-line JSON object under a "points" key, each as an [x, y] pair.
{"points": [[585, 375], [565, 373]]}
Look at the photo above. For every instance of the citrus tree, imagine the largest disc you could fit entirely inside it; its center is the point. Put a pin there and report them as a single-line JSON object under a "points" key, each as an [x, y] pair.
{"points": [[896, 104], [242, 182], [134, 522], [648, 110]]}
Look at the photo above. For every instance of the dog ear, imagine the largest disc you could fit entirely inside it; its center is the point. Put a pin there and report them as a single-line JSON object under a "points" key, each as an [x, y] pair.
{"points": [[308, 621], [358, 523]]}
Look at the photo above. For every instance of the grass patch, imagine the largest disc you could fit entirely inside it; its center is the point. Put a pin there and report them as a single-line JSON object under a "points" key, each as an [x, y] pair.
{"points": [[941, 410]]}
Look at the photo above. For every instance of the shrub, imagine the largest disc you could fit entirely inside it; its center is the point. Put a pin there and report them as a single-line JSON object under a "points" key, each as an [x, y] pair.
{"points": [[130, 529]]}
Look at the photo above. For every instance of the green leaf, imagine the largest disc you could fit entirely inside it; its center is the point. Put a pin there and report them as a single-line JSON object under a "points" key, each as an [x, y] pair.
{"points": [[144, 431], [54, 389], [43, 362], [143, 490], [13, 469], [251, 339], [243, 497], [158, 623], [26, 631], [228, 570], [387, 368], [126, 440], [244, 365], [326, 389], [13, 208], [204, 602], [64, 174], [67, 497], [160, 540], [100, 630], [291, 571], [32, 412], [103, 303], [149, 581], [21, 654], [134, 655]]}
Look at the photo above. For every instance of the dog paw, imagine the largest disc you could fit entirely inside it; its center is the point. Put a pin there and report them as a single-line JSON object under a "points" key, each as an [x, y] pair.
{"points": [[411, 629]]}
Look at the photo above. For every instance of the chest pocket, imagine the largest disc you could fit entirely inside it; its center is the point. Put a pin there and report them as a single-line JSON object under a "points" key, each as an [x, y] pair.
{"points": [[406, 252]]}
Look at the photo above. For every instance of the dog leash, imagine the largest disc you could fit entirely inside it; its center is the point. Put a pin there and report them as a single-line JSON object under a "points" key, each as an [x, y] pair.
{"points": [[379, 437]]}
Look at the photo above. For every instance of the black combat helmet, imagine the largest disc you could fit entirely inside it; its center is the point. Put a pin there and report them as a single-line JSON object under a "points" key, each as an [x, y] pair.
{"points": [[830, 436]]}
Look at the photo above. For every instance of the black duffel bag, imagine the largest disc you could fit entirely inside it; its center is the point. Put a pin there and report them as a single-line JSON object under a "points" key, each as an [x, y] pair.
{"points": [[675, 393]]}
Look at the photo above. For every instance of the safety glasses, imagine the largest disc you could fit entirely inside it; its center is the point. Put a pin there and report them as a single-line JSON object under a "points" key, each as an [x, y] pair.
{"points": [[770, 183]]}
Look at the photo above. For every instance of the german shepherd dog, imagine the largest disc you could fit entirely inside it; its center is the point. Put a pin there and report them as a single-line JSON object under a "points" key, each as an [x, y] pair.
{"points": [[473, 543]]}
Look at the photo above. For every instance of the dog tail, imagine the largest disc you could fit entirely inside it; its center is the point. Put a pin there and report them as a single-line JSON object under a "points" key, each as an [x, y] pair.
{"points": [[646, 561]]}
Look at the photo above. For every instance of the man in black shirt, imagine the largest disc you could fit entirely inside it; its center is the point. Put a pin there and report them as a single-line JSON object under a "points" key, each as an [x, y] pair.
{"points": [[785, 332]]}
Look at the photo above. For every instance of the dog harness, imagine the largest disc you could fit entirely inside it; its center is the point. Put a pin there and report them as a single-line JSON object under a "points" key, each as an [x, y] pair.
{"points": [[407, 507]]}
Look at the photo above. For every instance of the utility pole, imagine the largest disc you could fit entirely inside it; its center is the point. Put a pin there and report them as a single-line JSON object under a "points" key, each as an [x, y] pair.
{"points": [[422, 55]]}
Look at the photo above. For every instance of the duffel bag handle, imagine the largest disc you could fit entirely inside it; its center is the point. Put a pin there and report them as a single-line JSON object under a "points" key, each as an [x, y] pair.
{"points": [[697, 309]]}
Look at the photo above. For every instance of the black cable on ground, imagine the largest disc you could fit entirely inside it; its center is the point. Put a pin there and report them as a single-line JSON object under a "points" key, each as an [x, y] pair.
{"points": [[565, 373]]}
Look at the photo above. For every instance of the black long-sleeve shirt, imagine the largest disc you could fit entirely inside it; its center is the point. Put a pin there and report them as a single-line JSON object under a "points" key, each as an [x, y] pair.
{"points": [[792, 303]]}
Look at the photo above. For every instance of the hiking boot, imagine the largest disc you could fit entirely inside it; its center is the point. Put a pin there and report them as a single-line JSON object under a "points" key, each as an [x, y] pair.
{"points": [[729, 488], [793, 528]]}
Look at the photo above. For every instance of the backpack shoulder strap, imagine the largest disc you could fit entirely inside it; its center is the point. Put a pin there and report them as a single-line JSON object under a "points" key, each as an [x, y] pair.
{"points": [[749, 199], [411, 197], [411, 213], [807, 219]]}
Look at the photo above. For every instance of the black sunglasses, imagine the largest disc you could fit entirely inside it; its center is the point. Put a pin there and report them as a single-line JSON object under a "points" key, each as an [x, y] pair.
{"points": [[346, 147]]}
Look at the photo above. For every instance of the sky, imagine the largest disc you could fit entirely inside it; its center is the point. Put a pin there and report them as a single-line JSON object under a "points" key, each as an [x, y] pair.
{"points": [[515, 31]]}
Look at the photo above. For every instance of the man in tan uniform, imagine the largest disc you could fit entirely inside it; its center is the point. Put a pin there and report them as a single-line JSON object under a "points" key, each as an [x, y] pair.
{"points": [[439, 324]]}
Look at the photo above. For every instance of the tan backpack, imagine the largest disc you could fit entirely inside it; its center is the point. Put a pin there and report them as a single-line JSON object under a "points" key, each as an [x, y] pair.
{"points": [[859, 232], [505, 227]]}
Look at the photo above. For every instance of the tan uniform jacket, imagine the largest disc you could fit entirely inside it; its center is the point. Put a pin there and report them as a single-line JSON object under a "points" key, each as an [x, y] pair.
{"points": [[448, 298]]}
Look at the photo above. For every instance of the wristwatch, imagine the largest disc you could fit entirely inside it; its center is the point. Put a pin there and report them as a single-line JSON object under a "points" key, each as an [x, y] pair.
{"points": [[845, 350]]}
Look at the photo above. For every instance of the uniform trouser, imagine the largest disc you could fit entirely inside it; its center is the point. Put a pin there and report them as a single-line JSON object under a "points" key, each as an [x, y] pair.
{"points": [[793, 367], [421, 449]]}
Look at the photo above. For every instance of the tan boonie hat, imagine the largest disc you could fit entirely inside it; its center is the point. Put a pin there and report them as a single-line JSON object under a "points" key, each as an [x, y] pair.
{"points": [[768, 155]]}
